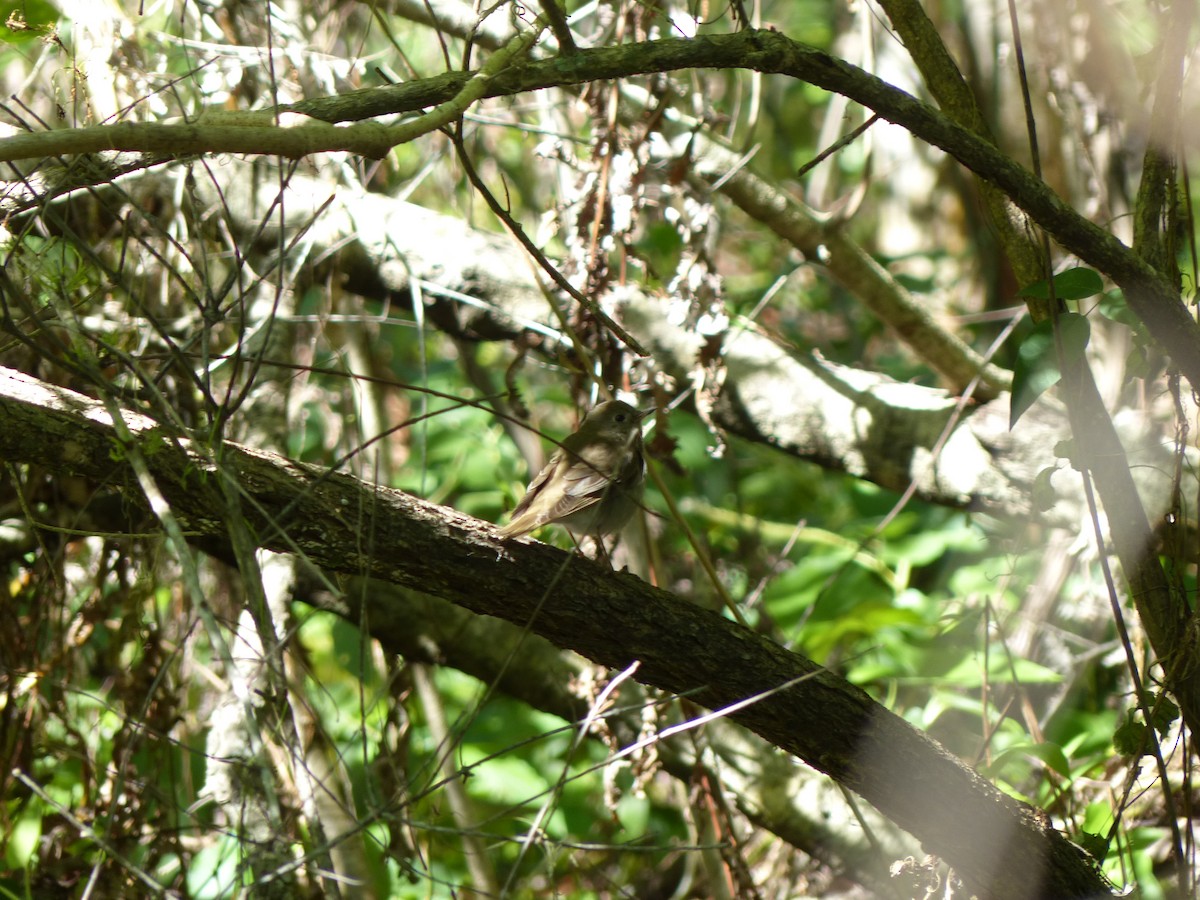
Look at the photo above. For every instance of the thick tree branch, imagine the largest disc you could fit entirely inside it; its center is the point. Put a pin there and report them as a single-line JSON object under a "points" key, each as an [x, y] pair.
{"points": [[847, 420], [1001, 847], [795, 803]]}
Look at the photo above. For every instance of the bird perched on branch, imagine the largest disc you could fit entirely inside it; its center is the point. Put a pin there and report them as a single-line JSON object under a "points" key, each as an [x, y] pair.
{"points": [[593, 482]]}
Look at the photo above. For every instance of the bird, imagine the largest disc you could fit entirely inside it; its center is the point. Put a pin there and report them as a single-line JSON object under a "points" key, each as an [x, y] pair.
{"points": [[593, 483]]}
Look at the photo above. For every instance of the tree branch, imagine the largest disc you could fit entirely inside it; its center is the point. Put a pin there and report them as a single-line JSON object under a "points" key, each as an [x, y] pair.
{"points": [[1154, 300], [999, 846], [852, 266], [1163, 612], [783, 397], [803, 808]]}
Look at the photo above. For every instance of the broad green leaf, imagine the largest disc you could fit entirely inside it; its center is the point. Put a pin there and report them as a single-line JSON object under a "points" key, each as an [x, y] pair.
{"points": [[968, 674], [1052, 755], [924, 547], [216, 871], [31, 20], [1072, 284], [1036, 370], [1097, 817]]}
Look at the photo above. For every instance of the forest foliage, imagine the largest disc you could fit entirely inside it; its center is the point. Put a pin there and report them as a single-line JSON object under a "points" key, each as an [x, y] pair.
{"points": [[920, 373]]}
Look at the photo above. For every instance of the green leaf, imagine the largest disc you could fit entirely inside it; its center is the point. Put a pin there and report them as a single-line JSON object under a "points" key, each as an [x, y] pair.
{"points": [[1096, 845], [1113, 306], [1137, 363], [23, 838], [1049, 753], [1129, 738], [215, 871], [29, 21], [1044, 495], [1163, 714], [923, 547], [1052, 755], [1071, 284], [967, 673], [1036, 370]]}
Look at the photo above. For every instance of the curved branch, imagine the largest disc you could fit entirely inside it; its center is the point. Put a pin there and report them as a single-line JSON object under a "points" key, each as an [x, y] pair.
{"points": [[1155, 301]]}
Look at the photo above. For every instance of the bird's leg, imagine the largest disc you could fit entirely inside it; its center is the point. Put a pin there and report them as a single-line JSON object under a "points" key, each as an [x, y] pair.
{"points": [[602, 553], [599, 551], [581, 543]]}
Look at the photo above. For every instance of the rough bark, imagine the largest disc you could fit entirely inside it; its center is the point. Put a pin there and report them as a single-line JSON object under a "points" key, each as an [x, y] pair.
{"points": [[806, 810], [1002, 848]]}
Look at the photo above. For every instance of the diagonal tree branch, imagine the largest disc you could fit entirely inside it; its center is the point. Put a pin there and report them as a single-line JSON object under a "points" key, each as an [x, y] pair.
{"points": [[1002, 848], [1163, 612], [797, 804]]}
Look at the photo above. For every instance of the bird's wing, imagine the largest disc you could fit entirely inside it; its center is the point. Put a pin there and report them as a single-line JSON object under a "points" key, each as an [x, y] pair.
{"points": [[583, 485], [566, 485]]}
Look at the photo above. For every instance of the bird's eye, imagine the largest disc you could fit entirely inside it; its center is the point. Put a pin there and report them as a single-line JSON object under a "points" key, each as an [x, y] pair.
{"points": [[620, 417]]}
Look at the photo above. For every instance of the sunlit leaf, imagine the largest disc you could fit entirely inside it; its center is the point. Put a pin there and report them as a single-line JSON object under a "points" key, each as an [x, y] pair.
{"points": [[1071, 284], [23, 838], [1130, 737]]}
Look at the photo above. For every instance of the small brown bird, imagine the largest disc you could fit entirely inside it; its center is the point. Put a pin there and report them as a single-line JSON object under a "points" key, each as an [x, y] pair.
{"points": [[593, 482]]}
